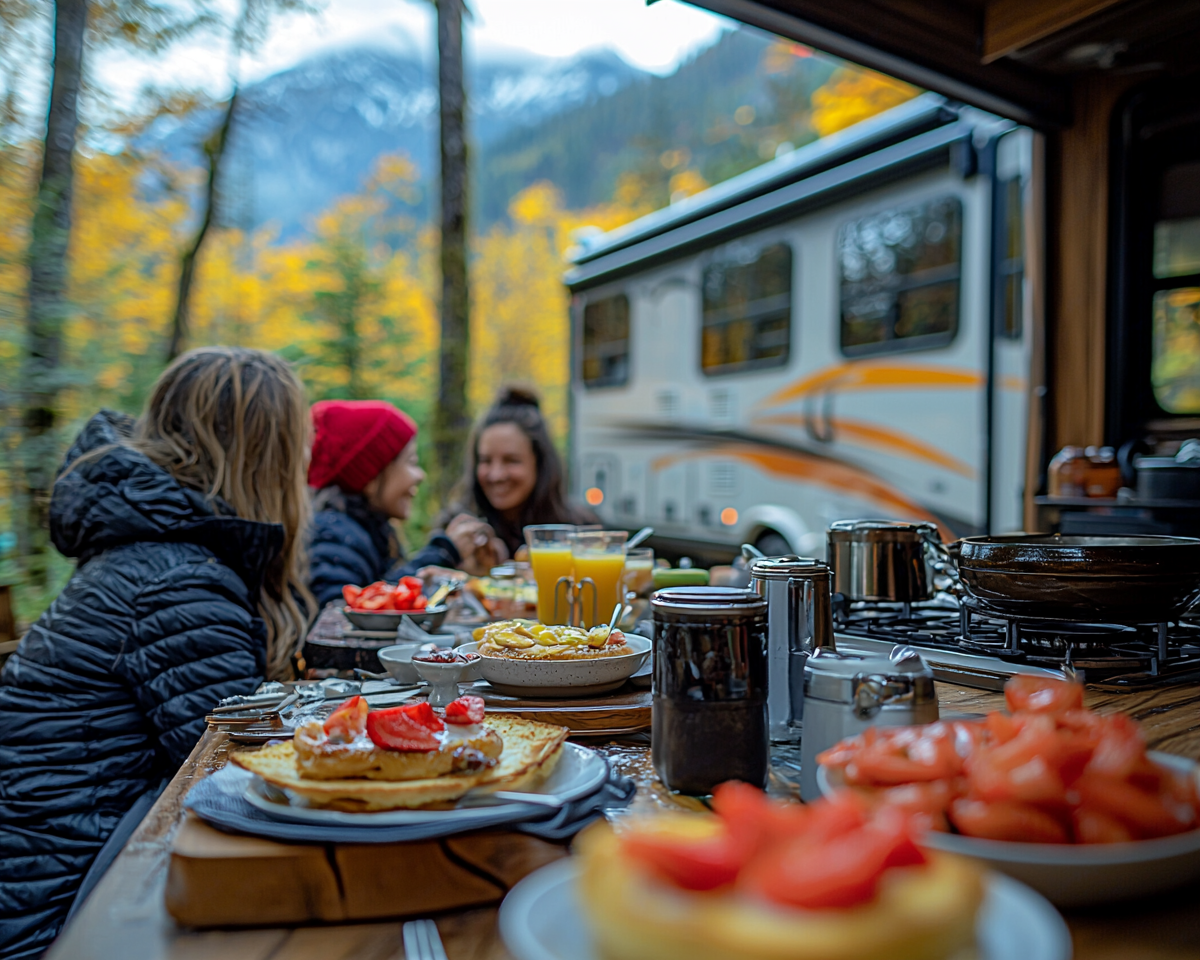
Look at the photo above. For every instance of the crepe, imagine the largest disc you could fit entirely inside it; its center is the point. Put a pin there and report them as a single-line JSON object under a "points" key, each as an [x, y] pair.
{"points": [[530, 751]]}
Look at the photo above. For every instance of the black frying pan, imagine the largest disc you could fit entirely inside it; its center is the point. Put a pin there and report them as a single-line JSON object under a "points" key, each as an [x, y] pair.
{"points": [[1108, 579]]}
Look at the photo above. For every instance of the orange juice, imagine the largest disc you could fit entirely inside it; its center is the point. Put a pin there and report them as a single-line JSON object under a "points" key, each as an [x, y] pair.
{"points": [[548, 565], [605, 570]]}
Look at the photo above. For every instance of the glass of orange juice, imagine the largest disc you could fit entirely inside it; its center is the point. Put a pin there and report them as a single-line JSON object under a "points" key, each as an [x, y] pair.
{"points": [[551, 559], [599, 556]]}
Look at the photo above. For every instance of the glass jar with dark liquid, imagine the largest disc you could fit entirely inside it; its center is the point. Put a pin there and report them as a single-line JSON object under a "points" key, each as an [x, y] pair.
{"points": [[709, 717]]}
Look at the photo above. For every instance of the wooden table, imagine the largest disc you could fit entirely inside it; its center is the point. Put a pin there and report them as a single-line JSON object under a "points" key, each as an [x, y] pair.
{"points": [[124, 917]]}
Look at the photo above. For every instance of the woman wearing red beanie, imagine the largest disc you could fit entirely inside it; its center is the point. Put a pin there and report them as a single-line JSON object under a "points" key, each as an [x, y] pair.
{"points": [[365, 472]]}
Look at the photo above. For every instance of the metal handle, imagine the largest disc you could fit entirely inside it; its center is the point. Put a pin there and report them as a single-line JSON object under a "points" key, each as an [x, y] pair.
{"points": [[568, 586], [946, 578], [873, 691]]}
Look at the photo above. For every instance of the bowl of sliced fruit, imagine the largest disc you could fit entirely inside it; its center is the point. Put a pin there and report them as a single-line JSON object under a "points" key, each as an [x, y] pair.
{"points": [[380, 605], [525, 658], [1065, 799]]}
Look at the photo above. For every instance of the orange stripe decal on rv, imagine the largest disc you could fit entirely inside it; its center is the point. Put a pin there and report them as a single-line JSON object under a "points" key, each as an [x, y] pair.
{"points": [[829, 474], [874, 376], [870, 435]]}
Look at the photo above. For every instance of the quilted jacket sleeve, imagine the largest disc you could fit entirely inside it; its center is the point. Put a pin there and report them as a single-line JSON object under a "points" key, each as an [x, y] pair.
{"points": [[439, 552], [340, 553], [195, 641]]}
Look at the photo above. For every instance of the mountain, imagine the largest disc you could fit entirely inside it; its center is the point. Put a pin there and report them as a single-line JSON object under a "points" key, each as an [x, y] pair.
{"points": [[656, 125], [312, 133]]}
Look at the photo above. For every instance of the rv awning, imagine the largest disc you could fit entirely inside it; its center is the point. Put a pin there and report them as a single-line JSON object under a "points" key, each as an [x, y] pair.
{"points": [[1016, 58]]}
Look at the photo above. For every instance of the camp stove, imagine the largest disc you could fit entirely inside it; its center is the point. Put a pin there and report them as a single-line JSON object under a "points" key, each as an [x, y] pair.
{"points": [[968, 647]]}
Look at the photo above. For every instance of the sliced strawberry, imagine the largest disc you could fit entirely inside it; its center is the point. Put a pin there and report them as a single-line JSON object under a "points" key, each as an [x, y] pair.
{"points": [[465, 710], [410, 727], [350, 593], [347, 721]]}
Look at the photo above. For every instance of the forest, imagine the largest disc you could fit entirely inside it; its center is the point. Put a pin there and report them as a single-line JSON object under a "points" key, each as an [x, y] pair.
{"points": [[352, 300]]}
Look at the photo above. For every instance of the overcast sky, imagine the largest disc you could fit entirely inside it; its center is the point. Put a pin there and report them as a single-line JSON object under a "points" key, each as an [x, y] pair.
{"points": [[655, 37]]}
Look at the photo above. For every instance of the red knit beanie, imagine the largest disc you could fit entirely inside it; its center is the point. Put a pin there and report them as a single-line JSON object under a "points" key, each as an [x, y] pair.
{"points": [[353, 440]]}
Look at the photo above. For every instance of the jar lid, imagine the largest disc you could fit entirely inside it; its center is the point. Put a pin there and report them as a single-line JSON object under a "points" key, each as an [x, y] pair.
{"points": [[785, 568], [506, 571], [879, 531], [842, 677], [734, 601]]}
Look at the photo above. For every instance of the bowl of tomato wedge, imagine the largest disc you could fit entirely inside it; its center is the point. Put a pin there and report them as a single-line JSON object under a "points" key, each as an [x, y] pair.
{"points": [[380, 605], [1064, 799]]}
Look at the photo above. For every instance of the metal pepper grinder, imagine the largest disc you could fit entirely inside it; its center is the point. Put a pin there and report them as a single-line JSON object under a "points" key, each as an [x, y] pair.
{"points": [[799, 622]]}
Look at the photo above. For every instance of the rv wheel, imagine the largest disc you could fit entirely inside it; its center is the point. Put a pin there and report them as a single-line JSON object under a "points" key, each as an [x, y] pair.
{"points": [[773, 544]]}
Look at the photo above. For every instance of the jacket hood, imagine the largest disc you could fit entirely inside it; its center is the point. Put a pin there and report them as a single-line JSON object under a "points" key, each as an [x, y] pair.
{"points": [[120, 496]]}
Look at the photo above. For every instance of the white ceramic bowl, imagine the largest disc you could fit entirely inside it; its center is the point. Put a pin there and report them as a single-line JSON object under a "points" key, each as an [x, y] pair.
{"points": [[561, 678], [397, 661], [1073, 875]]}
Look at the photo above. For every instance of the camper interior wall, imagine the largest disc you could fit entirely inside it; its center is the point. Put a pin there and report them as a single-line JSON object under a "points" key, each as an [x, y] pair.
{"points": [[1079, 262]]}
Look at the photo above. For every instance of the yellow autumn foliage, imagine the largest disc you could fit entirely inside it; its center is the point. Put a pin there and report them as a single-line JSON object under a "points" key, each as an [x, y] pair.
{"points": [[854, 94]]}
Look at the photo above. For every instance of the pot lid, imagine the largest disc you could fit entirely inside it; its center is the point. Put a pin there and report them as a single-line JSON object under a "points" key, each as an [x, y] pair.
{"points": [[875, 531], [734, 601], [833, 675], [785, 568]]}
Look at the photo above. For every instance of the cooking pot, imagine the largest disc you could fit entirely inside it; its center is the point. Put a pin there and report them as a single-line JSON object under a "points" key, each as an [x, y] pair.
{"points": [[1089, 578], [1166, 478], [881, 560]]}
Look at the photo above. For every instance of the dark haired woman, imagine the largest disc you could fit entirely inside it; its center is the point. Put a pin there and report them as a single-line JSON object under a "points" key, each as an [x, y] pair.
{"points": [[514, 476], [187, 527]]}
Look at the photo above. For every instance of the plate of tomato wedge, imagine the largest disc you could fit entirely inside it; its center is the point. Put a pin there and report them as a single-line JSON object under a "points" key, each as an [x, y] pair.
{"points": [[1060, 797], [380, 605]]}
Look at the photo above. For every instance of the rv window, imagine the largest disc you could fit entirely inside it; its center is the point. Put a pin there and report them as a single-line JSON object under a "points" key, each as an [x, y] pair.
{"points": [[746, 318], [1175, 370], [900, 275], [606, 342], [1012, 261]]}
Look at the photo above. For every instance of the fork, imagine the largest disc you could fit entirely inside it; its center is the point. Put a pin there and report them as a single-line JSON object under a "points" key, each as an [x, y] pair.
{"points": [[422, 941]]}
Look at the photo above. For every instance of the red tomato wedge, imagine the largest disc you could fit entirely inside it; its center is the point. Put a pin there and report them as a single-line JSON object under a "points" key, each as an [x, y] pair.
{"points": [[405, 596], [411, 727], [348, 721], [1026, 693], [690, 864], [465, 710], [1006, 820]]}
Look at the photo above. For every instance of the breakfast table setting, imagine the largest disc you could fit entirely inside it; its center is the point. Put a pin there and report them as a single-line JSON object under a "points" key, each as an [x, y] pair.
{"points": [[563, 787]]}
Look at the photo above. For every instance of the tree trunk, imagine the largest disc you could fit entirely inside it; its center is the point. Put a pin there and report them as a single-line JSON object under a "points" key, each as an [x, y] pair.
{"points": [[48, 309], [451, 423], [214, 152]]}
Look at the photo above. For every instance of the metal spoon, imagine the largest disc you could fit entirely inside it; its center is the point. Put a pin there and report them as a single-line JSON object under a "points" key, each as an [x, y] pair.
{"points": [[639, 537]]}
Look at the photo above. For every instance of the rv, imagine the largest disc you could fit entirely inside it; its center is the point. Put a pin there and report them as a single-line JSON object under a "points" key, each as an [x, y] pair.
{"points": [[842, 332]]}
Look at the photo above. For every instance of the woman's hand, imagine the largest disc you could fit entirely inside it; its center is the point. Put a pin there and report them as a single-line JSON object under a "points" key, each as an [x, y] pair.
{"points": [[465, 532]]}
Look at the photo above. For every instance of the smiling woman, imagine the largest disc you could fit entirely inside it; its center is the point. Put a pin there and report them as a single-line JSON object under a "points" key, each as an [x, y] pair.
{"points": [[514, 476]]}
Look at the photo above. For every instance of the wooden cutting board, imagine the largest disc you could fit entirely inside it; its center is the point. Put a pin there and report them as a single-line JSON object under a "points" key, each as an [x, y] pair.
{"points": [[622, 712], [218, 879]]}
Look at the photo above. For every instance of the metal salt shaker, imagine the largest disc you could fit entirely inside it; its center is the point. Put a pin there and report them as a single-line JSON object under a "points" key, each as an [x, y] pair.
{"points": [[799, 622], [844, 694]]}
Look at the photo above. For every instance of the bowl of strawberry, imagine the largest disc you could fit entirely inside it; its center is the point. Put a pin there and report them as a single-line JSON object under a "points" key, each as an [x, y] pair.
{"points": [[380, 605], [1065, 799]]}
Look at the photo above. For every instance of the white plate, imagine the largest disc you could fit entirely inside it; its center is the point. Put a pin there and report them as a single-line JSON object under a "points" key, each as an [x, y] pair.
{"points": [[1074, 875], [562, 678], [579, 771], [540, 919]]}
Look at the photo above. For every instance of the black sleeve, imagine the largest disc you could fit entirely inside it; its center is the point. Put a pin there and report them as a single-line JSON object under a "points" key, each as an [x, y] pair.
{"points": [[195, 641], [438, 552], [336, 559]]}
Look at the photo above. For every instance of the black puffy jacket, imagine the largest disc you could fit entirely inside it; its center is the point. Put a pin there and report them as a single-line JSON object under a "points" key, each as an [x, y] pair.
{"points": [[107, 693], [351, 543]]}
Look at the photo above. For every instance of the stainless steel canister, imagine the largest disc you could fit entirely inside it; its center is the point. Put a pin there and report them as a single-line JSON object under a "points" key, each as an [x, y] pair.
{"points": [[881, 559], [844, 694], [799, 621]]}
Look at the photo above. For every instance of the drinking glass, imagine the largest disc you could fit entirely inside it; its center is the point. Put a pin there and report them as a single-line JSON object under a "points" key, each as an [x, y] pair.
{"points": [[599, 556], [639, 571], [550, 557]]}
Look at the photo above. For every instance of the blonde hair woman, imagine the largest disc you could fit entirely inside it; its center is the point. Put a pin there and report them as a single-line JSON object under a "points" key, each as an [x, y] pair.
{"points": [[187, 528]]}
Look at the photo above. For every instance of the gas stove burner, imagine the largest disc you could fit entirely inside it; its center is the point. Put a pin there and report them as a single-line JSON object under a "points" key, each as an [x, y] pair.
{"points": [[972, 647]]}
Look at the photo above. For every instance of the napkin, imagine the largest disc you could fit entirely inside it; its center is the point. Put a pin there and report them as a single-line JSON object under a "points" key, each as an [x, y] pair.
{"points": [[218, 800]]}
